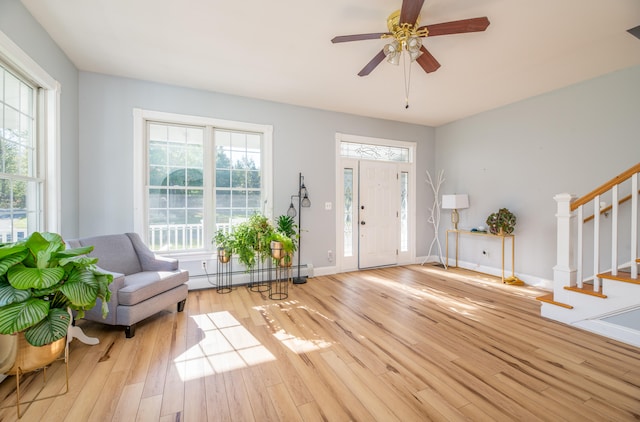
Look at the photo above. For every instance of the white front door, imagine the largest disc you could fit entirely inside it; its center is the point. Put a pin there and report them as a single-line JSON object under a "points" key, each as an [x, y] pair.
{"points": [[378, 214]]}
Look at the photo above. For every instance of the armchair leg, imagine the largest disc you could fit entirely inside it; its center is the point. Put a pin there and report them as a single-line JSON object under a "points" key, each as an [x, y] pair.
{"points": [[130, 330], [181, 305]]}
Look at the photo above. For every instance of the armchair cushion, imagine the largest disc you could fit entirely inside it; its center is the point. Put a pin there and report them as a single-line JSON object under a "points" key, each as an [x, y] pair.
{"points": [[143, 285]]}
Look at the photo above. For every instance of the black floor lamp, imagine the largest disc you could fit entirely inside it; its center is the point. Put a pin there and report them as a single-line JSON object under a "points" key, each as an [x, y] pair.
{"points": [[303, 201]]}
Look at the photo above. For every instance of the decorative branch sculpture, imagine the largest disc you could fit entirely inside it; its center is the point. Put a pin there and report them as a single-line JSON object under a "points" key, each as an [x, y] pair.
{"points": [[434, 219]]}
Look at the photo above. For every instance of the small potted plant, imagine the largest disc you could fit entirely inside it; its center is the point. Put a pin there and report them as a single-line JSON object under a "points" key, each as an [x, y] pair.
{"points": [[284, 240], [41, 283], [225, 242], [501, 222]]}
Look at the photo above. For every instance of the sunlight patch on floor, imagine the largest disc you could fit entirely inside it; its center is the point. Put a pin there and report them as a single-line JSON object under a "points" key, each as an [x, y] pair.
{"points": [[225, 345], [423, 294], [292, 342]]}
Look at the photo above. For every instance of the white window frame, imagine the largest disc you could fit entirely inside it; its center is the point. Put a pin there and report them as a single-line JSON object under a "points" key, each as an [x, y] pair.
{"points": [[140, 164], [47, 130]]}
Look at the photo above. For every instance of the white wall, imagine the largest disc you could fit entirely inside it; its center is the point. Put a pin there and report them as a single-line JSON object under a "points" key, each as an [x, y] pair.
{"points": [[519, 156], [304, 141], [23, 30]]}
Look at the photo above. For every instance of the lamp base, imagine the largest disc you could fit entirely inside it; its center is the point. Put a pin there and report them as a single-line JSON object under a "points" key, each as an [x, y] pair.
{"points": [[455, 218], [300, 280]]}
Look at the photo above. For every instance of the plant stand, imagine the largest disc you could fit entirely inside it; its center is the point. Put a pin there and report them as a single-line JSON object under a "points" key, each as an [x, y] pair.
{"points": [[279, 288], [28, 359], [223, 277], [259, 281]]}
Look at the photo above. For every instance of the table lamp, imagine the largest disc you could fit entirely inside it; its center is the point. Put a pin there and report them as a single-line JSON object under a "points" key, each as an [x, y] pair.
{"points": [[455, 203]]}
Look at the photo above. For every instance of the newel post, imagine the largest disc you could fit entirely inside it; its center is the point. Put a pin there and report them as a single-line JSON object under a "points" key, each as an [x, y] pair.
{"points": [[564, 273]]}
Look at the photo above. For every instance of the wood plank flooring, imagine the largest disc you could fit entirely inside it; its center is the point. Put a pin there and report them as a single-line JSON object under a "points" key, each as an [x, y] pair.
{"points": [[413, 343]]}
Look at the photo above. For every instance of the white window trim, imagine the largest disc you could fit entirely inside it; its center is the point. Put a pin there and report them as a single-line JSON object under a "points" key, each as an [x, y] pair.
{"points": [[141, 116], [349, 264], [48, 131]]}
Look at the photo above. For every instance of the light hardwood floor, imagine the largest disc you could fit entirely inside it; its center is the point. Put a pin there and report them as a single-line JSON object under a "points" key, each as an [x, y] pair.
{"points": [[411, 343]]}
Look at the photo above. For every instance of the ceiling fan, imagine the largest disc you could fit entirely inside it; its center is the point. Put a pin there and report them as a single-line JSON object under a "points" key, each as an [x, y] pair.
{"points": [[407, 35]]}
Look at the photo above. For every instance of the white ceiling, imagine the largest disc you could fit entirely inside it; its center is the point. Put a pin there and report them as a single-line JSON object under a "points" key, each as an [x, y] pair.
{"points": [[281, 51]]}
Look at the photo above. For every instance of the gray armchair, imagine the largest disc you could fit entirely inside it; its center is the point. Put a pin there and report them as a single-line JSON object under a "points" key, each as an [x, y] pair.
{"points": [[143, 283]]}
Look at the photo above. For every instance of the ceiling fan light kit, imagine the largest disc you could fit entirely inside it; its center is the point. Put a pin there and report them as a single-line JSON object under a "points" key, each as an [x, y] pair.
{"points": [[407, 36]]}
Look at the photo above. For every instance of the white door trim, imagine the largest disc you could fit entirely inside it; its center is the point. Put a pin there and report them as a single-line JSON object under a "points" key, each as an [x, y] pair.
{"points": [[342, 263]]}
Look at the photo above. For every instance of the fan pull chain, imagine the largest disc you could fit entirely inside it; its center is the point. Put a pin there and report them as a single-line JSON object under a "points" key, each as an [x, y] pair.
{"points": [[407, 78]]}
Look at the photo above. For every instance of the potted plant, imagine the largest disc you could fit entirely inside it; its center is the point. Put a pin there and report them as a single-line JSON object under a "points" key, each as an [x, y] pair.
{"points": [[284, 240], [41, 282], [263, 230], [501, 222], [225, 241], [252, 239]]}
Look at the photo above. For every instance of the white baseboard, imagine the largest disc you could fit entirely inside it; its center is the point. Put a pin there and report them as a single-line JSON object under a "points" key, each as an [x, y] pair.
{"points": [[528, 279], [200, 281], [614, 331]]}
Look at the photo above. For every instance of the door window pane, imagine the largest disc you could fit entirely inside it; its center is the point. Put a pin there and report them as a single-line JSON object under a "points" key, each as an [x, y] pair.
{"points": [[404, 211], [347, 211]]}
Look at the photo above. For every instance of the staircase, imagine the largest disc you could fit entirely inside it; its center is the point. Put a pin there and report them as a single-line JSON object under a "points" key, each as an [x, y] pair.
{"points": [[596, 285]]}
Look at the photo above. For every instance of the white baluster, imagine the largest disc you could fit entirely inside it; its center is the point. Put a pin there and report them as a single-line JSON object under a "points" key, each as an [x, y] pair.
{"points": [[580, 251], [614, 230], [634, 225], [596, 243]]}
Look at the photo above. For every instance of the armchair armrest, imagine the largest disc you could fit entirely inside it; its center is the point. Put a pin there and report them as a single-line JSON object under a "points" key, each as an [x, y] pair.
{"points": [[149, 260]]}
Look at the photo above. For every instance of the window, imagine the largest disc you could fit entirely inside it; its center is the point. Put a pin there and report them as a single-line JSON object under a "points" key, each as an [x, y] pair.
{"points": [[238, 176], [198, 175], [28, 129], [175, 193]]}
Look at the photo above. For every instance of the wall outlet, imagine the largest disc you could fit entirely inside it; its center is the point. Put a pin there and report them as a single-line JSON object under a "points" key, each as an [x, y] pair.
{"points": [[330, 255], [204, 265], [485, 253]]}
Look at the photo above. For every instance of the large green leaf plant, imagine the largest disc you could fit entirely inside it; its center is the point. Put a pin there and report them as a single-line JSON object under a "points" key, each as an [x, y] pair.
{"points": [[40, 281]]}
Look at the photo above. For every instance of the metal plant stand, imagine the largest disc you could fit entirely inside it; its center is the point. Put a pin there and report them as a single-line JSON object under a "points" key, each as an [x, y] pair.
{"points": [[259, 281], [280, 286], [223, 276]]}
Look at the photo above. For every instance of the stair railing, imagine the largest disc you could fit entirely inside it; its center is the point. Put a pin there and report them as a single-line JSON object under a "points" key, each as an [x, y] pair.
{"points": [[569, 270]]}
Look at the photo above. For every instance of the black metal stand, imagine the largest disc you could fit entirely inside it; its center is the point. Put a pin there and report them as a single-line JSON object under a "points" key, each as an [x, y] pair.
{"points": [[259, 281], [280, 286], [223, 277]]}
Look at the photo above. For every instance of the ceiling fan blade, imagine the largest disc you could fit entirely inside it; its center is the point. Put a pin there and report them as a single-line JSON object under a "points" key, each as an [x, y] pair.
{"points": [[427, 61], [372, 64], [359, 37], [458, 27], [410, 11]]}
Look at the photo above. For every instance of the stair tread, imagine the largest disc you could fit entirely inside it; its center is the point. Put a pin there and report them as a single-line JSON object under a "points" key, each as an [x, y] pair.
{"points": [[622, 275], [587, 289], [549, 299]]}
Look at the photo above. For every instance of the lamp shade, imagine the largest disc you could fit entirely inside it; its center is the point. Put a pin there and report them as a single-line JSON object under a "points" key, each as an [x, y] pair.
{"points": [[455, 202]]}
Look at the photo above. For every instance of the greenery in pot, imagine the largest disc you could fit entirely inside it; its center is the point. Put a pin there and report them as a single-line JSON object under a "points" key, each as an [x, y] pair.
{"points": [[252, 239], [503, 219], [284, 240], [40, 280], [225, 242]]}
